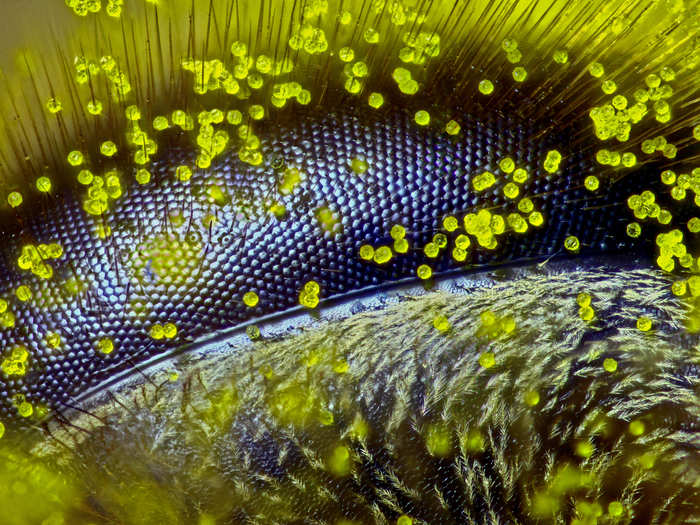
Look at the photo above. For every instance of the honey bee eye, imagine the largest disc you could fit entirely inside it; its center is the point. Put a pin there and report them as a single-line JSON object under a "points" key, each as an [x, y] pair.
{"points": [[343, 263]]}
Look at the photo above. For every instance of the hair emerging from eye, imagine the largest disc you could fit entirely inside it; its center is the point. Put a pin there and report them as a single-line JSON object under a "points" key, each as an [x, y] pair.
{"points": [[179, 174]]}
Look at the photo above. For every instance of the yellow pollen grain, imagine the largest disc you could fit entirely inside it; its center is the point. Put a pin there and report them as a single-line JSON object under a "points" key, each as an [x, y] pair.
{"points": [[366, 252], [43, 184], [644, 324], [424, 272], [486, 87], [14, 199], [382, 255], [250, 299], [452, 128], [571, 243], [105, 346], [610, 365], [23, 293], [422, 118], [376, 100], [487, 360], [531, 398]]}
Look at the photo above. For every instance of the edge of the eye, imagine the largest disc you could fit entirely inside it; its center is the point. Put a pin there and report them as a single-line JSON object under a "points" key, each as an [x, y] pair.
{"points": [[294, 321]]}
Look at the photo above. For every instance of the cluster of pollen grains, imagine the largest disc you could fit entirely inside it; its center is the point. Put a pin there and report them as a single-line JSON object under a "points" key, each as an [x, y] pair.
{"points": [[585, 311], [112, 8], [419, 47], [679, 184], [483, 227], [494, 326], [163, 331], [659, 144], [246, 81], [618, 119], [514, 56], [16, 362], [309, 294], [33, 258], [671, 246]]}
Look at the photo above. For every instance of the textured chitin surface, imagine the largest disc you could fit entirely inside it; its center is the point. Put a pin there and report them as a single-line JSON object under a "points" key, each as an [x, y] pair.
{"points": [[187, 256]]}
